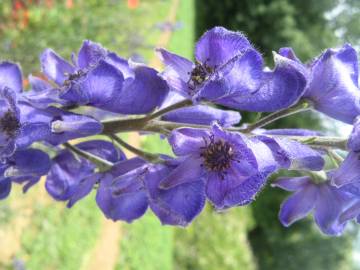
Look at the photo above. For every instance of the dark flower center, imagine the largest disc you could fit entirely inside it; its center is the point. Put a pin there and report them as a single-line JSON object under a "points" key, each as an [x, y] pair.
{"points": [[73, 76], [9, 124], [199, 74], [217, 155]]}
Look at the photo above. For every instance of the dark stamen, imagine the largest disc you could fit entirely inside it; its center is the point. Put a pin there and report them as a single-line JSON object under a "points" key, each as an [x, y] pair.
{"points": [[217, 156], [9, 124], [199, 74]]}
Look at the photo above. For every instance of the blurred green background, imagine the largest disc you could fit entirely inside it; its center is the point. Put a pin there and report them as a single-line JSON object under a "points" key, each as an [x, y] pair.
{"points": [[38, 233]]}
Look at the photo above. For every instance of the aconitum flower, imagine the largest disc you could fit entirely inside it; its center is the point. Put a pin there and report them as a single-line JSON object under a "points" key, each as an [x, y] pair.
{"points": [[326, 201], [23, 167], [354, 139], [53, 125], [198, 114], [178, 205], [72, 178], [229, 71], [233, 167], [332, 82], [126, 191], [102, 79]]}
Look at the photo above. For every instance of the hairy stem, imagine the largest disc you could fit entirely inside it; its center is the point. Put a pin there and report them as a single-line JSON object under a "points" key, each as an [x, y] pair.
{"points": [[102, 164], [323, 142], [181, 104], [146, 155], [139, 124], [303, 105]]}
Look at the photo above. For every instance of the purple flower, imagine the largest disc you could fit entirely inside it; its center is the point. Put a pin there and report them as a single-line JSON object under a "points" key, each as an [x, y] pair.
{"points": [[233, 167], [348, 172], [215, 49], [293, 155], [229, 71], [326, 201], [126, 191], [354, 139], [198, 114], [72, 178], [332, 82], [101, 79], [10, 126], [178, 205], [23, 167], [53, 125]]}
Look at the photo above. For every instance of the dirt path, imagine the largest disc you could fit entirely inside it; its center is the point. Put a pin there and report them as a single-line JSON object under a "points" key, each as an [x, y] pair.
{"points": [[106, 252]]}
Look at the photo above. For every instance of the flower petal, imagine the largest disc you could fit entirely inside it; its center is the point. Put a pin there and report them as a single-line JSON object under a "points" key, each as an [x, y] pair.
{"points": [[334, 84], [203, 115], [219, 45], [90, 54], [55, 67], [178, 205], [298, 205], [10, 76], [121, 206], [291, 183], [348, 172], [279, 89]]}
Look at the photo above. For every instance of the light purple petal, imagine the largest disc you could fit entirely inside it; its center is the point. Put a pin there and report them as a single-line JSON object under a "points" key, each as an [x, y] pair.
{"points": [[185, 141], [334, 84], [219, 45], [236, 80], [55, 67], [175, 65], [279, 89], [178, 205], [140, 95], [121, 206], [291, 183], [90, 54], [188, 171], [354, 139], [298, 205], [300, 156], [348, 172], [203, 115], [10, 76], [328, 208]]}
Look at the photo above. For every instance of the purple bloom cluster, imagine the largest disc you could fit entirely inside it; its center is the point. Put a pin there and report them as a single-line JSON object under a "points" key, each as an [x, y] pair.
{"points": [[195, 106]]}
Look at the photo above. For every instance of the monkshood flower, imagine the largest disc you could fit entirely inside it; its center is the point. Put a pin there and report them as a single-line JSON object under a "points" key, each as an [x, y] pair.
{"points": [[42, 94], [354, 139], [332, 82], [131, 186], [23, 167], [293, 155], [10, 84], [104, 80], [198, 114], [72, 178], [54, 125], [229, 71], [233, 167], [327, 202]]}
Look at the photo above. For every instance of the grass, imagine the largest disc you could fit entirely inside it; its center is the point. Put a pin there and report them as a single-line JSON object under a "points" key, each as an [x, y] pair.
{"points": [[57, 238]]}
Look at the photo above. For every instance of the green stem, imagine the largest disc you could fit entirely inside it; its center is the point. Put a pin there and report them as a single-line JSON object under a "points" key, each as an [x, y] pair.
{"points": [[303, 105], [323, 142], [181, 104], [102, 164], [139, 124], [153, 158]]}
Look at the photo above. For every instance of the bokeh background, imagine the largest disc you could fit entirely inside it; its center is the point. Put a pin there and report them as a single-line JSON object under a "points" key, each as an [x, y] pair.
{"points": [[38, 233]]}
